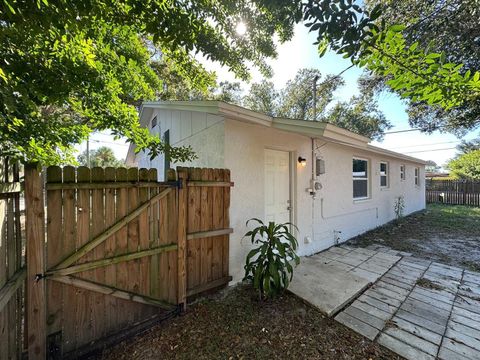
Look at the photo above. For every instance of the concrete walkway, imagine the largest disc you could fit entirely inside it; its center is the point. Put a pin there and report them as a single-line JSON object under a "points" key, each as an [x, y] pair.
{"points": [[420, 310], [333, 278]]}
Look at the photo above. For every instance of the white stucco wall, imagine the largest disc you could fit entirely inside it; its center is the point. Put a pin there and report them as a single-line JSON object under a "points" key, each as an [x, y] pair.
{"points": [[332, 209]]}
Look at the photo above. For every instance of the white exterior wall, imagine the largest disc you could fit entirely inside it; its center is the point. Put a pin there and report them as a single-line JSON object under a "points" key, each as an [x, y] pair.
{"points": [[244, 156], [240, 147], [203, 132]]}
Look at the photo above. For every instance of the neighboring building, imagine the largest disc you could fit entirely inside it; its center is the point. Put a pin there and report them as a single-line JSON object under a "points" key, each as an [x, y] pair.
{"points": [[326, 180]]}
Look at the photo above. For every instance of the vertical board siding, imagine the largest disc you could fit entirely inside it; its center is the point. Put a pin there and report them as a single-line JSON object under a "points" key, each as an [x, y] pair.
{"points": [[454, 192]]}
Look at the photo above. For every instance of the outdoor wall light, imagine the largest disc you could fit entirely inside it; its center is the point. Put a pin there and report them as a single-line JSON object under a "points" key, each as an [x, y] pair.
{"points": [[302, 161]]}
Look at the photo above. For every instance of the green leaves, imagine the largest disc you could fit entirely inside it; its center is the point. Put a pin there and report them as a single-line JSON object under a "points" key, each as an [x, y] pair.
{"points": [[412, 72], [268, 266], [466, 166], [72, 67]]}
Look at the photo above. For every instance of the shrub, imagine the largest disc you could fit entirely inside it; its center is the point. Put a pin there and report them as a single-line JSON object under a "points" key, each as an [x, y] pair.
{"points": [[399, 207], [269, 265]]}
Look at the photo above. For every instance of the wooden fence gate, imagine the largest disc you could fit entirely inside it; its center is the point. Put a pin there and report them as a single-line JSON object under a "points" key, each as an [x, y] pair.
{"points": [[109, 251]]}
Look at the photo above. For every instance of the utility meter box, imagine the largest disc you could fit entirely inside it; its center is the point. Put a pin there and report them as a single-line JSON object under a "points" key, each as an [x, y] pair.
{"points": [[320, 166]]}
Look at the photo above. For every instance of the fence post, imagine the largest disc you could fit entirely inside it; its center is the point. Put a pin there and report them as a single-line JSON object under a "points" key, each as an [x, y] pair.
{"points": [[35, 259], [182, 238]]}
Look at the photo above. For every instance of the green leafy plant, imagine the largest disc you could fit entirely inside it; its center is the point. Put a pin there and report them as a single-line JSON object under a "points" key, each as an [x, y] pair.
{"points": [[399, 207], [269, 265]]}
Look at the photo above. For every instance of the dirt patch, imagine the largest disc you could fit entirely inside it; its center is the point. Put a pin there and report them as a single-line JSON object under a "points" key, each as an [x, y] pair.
{"points": [[443, 233], [429, 284], [237, 326]]}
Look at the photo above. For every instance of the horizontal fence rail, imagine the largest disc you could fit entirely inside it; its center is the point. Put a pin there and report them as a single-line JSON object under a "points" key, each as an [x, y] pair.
{"points": [[453, 192]]}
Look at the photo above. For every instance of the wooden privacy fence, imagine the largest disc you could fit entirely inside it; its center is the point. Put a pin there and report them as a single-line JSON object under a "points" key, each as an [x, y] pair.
{"points": [[12, 270], [455, 192], [110, 250]]}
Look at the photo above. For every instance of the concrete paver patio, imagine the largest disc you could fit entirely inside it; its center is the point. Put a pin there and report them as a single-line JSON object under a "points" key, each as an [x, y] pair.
{"points": [[417, 308], [331, 279]]}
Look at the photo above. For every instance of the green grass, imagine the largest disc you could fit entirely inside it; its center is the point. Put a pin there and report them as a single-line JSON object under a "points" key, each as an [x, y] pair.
{"points": [[453, 218]]}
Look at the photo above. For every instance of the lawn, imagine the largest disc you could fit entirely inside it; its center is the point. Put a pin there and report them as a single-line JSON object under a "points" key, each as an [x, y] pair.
{"points": [[234, 325], [446, 233]]}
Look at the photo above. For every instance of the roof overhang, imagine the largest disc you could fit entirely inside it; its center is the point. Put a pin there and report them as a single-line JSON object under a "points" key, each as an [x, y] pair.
{"points": [[313, 129]]}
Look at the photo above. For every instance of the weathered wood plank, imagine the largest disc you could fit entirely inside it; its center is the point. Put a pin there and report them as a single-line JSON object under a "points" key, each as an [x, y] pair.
{"points": [[217, 223], [98, 227], [54, 250], [111, 291], [172, 222], [207, 183], [154, 236], [110, 245], [226, 224], [69, 244], [83, 310], [10, 288], [182, 239], [211, 233], [3, 263], [121, 238], [144, 236], [19, 261], [12, 265], [100, 263], [35, 232], [205, 208], [133, 267]]}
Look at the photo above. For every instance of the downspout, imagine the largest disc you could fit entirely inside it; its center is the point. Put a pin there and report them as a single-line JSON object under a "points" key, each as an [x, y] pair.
{"points": [[313, 188]]}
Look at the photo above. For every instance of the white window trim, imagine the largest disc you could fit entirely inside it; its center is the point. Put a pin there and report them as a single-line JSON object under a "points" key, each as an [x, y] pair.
{"points": [[387, 174], [355, 199], [403, 174], [416, 176]]}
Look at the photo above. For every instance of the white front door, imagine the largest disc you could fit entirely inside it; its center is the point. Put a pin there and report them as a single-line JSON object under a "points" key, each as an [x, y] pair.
{"points": [[277, 186]]}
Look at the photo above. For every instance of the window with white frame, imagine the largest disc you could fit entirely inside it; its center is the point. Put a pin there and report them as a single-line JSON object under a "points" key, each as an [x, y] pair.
{"points": [[383, 174], [402, 172], [154, 122], [360, 178], [417, 176]]}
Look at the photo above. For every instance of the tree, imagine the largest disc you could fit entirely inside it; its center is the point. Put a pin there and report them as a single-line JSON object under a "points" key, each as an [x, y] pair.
{"points": [[263, 98], [467, 166], [72, 67], [410, 70], [227, 91], [360, 115], [467, 146], [431, 166], [102, 157], [296, 99], [447, 27]]}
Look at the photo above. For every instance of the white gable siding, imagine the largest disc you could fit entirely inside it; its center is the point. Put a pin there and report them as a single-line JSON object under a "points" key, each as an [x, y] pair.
{"points": [[204, 132]]}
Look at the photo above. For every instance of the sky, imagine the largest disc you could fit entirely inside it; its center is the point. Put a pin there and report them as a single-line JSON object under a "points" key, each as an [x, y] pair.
{"points": [[300, 53]]}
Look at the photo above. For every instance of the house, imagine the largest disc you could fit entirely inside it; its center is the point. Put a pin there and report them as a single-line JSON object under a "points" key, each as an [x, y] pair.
{"points": [[327, 181]]}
